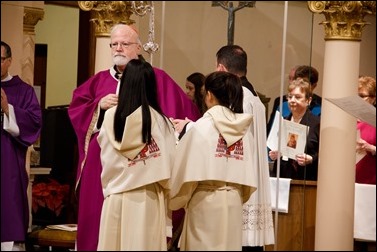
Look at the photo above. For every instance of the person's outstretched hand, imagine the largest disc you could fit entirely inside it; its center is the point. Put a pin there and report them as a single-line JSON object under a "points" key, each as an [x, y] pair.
{"points": [[179, 124]]}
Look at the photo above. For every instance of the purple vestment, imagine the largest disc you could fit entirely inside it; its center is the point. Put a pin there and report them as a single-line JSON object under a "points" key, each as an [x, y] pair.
{"points": [[14, 178], [174, 103]]}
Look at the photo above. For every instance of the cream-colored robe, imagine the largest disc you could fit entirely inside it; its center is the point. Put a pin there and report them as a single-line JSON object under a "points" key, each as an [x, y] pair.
{"points": [[212, 178], [135, 184]]}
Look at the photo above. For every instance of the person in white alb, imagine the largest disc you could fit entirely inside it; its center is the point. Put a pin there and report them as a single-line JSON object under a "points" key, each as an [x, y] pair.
{"points": [[137, 149], [257, 229], [213, 174]]}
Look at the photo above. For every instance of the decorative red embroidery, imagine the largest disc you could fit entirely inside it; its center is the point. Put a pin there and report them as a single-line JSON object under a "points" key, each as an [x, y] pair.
{"points": [[234, 151], [149, 151]]}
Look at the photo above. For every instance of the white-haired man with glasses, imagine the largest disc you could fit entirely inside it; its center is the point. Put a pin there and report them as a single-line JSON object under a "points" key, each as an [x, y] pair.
{"points": [[86, 111]]}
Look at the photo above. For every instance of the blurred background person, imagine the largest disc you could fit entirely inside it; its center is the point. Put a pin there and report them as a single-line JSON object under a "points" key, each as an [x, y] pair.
{"points": [[308, 73], [275, 107], [195, 90], [366, 167], [21, 123], [305, 165]]}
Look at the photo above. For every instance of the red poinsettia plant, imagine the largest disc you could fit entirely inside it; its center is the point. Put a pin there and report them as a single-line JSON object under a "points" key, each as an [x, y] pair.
{"points": [[49, 194]]}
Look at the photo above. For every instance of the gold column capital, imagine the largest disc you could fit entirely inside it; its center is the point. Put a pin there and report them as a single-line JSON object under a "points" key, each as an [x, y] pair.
{"points": [[107, 13], [344, 19], [31, 18]]}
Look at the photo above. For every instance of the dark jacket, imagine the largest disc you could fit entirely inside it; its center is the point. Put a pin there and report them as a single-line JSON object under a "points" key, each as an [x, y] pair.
{"points": [[290, 168]]}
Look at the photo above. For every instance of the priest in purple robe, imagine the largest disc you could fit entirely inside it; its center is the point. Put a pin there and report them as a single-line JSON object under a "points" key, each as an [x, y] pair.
{"points": [[86, 111], [21, 123]]}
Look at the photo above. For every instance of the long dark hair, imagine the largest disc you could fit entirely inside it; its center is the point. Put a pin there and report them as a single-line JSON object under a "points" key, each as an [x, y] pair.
{"points": [[198, 80], [137, 88], [227, 88]]}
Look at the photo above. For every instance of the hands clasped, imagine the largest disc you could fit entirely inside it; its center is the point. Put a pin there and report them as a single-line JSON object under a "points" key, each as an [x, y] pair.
{"points": [[302, 159], [4, 102], [363, 146]]}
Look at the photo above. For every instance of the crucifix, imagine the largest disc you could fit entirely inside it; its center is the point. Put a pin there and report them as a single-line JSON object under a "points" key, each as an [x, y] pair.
{"points": [[228, 5]]}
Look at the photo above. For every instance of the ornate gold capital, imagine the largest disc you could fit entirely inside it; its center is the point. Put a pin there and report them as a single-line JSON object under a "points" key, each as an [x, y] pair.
{"points": [[344, 19], [108, 13], [31, 18]]}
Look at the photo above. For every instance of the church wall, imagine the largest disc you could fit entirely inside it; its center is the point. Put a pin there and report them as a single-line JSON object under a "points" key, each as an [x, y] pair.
{"points": [[59, 30], [193, 32]]}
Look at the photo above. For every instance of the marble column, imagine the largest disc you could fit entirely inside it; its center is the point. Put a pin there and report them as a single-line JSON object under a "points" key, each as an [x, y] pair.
{"points": [[336, 172], [30, 20]]}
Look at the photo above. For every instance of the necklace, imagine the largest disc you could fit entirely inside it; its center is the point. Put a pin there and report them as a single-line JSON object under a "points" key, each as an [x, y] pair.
{"points": [[296, 120]]}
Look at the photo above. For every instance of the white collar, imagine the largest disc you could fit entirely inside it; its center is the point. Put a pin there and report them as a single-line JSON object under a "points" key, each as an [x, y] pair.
{"points": [[8, 78]]}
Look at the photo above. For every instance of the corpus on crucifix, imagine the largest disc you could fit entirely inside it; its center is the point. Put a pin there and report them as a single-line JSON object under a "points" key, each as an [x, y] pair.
{"points": [[228, 5]]}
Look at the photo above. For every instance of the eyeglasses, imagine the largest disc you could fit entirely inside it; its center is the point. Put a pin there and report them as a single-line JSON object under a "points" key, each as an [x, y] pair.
{"points": [[123, 45], [365, 95], [3, 59], [297, 97]]}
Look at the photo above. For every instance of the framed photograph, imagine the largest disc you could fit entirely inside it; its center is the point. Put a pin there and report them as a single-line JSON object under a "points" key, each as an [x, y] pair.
{"points": [[293, 138]]}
